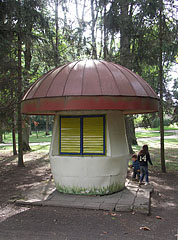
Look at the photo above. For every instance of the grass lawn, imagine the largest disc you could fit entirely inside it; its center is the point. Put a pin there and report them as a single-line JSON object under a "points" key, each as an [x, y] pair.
{"points": [[147, 134], [171, 147], [171, 153], [34, 137]]}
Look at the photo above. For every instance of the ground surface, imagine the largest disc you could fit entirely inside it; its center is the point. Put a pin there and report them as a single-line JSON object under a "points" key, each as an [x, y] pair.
{"points": [[54, 223]]}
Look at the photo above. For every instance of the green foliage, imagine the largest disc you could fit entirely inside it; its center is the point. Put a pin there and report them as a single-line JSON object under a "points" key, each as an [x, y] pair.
{"points": [[156, 122], [39, 34]]}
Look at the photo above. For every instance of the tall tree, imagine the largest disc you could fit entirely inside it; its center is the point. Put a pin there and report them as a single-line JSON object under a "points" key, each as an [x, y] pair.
{"points": [[163, 166], [57, 33], [94, 15], [20, 146]]}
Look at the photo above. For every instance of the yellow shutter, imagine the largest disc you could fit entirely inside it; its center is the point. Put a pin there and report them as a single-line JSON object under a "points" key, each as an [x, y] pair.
{"points": [[70, 135], [93, 134]]}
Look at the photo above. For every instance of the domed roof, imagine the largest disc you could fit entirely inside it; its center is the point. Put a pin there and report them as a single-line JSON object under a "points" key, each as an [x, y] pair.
{"points": [[90, 85]]}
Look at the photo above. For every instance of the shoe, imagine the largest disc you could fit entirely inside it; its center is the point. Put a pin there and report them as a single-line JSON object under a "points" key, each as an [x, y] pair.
{"points": [[146, 183]]}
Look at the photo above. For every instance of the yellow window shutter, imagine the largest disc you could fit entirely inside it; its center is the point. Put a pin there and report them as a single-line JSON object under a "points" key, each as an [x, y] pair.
{"points": [[70, 135], [93, 135]]}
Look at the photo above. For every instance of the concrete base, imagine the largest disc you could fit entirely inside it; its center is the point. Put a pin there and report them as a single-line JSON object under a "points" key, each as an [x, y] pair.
{"points": [[132, 199]]}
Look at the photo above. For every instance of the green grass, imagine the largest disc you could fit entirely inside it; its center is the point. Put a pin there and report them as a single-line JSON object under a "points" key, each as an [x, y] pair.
{"points": [[34, 138], [37, 148], [40, 148], [171, 153], [41, 137], [166, 128], [147, 134], [171, 147]]}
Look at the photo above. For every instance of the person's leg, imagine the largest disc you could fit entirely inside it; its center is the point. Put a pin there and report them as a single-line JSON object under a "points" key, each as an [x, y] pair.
{"points": [[134, 174], [138, 175], [146, 175], [142, 174]]}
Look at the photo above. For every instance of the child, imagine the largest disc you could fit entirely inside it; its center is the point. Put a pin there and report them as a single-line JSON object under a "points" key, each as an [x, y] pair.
{"points": [[136, 167], [144, 158]]}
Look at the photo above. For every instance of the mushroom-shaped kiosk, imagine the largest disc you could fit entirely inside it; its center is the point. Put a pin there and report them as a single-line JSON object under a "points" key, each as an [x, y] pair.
{"points": [[89, 152]]}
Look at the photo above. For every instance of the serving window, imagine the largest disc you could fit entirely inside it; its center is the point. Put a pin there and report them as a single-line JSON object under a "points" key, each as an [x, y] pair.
{"points": [[82, 135]]}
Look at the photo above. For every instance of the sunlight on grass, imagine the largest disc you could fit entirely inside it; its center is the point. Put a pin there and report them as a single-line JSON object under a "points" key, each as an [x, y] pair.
{"points": [[146, 134], [5, 148], [34, 137], [171, 148], [41, 148], [171, 153]]}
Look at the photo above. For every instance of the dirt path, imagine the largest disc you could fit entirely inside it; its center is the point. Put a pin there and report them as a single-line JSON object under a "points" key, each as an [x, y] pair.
{"points": [[49, 223]]}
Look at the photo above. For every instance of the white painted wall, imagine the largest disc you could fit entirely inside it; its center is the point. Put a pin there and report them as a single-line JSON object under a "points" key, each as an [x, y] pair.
{"points": [[93, 171]]}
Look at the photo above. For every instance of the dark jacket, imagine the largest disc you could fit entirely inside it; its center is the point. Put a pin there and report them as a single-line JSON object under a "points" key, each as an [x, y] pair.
{"points": [[144, 159], [136, 165]]}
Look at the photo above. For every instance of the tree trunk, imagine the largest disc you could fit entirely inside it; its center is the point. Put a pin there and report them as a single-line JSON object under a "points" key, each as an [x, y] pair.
{"points": [[101, 36], [80, 23], [47, 125], [94, 50], [13, 134], [125, 56], [20, 151], [57, 34], [125, 59], [163, 166], [105, 33], [130, 132], [28, 58], [1, 132], [26, 134]]}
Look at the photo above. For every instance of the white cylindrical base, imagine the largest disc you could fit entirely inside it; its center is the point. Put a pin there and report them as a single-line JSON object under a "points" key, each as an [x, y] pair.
{"points": [[93, 174]]}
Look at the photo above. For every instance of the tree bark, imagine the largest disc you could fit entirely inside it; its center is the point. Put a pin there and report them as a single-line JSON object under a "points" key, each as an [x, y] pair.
{"points": [[1, 132], [28, 58], [163, 166], [20, 151], [125, 56], [130, 132], [80, 24], [47, 125], [105, 33], [13, 134], [57, 34], [94, 50], [26, 134], [101, 35], [125, 59]]}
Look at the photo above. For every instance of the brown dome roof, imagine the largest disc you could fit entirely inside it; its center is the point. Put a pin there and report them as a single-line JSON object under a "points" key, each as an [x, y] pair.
{"points": [[90, 85]]}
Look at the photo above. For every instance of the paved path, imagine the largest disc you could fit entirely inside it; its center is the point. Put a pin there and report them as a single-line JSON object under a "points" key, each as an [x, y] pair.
{"points": [[132, 198]]}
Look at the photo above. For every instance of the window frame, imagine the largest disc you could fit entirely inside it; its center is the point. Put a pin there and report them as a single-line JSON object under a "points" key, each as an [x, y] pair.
{"points": [[81, 117]]}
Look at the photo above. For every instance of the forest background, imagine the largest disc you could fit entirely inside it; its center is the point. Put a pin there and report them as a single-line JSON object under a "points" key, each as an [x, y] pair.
{"points": [[38, 35]]}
